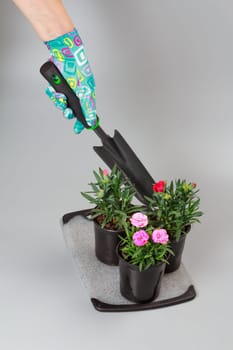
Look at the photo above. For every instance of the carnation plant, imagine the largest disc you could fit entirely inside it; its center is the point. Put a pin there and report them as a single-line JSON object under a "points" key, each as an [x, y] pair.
{"points": [[112, 197], [174, 206], [144, 245]]}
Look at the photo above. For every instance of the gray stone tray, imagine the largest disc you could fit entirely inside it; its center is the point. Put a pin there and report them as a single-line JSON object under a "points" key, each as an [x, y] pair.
{"points": [[102, 281]]}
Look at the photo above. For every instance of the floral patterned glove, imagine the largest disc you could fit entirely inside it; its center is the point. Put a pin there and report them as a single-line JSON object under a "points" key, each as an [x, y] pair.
{"points": [[68, 54]]}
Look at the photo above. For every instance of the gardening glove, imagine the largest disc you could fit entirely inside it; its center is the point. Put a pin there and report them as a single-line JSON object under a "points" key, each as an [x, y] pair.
{"points": [[68, 54]]}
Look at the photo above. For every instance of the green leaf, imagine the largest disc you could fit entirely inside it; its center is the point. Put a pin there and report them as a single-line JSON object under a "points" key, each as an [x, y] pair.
{"points": [[97, 176], [88, 197]]}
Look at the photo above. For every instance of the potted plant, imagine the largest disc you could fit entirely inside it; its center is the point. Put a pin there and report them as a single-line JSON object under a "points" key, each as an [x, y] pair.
{"points": [[143, 254], [112, 198], [175, 207]]}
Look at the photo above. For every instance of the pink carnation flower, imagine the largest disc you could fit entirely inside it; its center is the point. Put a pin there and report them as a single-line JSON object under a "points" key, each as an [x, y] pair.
{"points": [[139, 220], [105, 172], [160, 236], [140, 238]]}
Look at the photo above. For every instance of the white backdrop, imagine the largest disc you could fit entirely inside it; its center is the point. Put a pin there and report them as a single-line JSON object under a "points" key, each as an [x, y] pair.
{"points": [[164, 78]]}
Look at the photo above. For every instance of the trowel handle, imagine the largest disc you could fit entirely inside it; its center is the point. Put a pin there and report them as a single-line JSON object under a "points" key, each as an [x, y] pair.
{"points": [[51, 73]]}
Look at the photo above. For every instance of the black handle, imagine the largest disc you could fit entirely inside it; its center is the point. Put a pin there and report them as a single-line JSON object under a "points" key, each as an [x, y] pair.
{"points": [[51, 73]]}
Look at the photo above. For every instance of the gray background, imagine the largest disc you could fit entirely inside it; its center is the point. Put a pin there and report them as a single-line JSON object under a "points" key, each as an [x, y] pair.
{"points": [[164, 78]]}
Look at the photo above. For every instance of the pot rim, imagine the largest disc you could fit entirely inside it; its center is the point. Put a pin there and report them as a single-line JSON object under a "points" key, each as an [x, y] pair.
{"points": [[106, 229], [182, 237]]}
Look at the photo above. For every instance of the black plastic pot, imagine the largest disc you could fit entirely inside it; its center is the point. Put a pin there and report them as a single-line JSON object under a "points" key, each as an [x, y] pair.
{"points": [[174, 261], [140, 286], [106, 242]]}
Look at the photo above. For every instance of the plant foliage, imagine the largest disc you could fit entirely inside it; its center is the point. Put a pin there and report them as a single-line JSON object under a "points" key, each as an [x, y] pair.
{"points": [[112, 197], [150, 254], [175, 208]]}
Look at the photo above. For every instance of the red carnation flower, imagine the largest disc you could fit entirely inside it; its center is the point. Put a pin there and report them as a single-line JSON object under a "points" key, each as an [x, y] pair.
{"points": [[159, 186]]}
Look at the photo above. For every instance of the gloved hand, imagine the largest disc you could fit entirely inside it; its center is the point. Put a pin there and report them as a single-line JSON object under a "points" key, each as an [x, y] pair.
{"points": [[68, 54]]}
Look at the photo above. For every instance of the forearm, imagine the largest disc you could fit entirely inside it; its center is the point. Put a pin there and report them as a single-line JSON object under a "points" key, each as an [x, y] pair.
{"points": [[48, 17]]}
